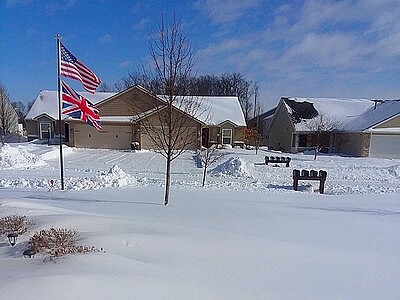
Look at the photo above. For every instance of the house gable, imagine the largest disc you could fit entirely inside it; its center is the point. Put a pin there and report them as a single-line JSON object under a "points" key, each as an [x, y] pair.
{"points": [[43, 117], [227, 123], [281, 129], [393, 122], [130, 102]]}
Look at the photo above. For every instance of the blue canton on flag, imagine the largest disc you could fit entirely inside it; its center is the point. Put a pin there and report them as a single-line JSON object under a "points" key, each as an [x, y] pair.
{"points": [[71, 67], [78, 107]]}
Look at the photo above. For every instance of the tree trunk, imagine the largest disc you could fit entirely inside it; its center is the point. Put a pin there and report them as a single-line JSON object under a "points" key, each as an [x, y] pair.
{"points": [[204, 175], [167, 181]]}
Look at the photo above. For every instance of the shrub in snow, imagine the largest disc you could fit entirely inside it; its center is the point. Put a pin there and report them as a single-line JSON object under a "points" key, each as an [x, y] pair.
{"points": [[18, 224], [58, 242]]}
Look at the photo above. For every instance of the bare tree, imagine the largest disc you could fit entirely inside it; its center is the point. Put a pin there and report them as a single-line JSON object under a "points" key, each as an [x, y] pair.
{"points": [[104, 87], [208, 156], [8, 116], [29, 105], [323, 127], [172, 127], [137, 77], [228, 84]]}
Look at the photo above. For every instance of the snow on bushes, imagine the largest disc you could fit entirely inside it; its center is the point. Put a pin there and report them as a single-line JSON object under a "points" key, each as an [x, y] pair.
{"points": [[58, 242], [18, 224]]}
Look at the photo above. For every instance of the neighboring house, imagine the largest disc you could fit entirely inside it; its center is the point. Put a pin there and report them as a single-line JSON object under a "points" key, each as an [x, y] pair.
{"points": [[262, 123], [121, 114], [224, 122], [356, 127], [42, 118]]}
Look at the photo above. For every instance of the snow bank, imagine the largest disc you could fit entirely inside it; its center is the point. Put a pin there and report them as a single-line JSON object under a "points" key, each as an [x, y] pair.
{"points": [[235, 167], [19, 158], [115, 177]]}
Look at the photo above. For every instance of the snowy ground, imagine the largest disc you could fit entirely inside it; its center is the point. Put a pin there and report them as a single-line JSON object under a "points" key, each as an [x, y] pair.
{"points": [[246, 235]]}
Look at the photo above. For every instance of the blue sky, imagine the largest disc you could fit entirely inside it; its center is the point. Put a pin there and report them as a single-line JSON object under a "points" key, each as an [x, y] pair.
{"points": [[310, 48]]}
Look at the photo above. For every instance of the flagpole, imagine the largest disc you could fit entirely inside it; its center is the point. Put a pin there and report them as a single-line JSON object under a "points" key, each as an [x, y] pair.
{"points": [[58, 37]]}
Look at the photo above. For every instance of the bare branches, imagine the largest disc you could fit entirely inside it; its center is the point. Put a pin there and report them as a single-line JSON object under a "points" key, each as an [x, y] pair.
{"points": [[208, 156], [323, 123], [18, 224], [58, 242], [252, 137], [323, 126], [173, 126], [8, 116]]}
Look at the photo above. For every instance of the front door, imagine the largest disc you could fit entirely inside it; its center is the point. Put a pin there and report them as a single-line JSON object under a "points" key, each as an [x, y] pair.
{"points": [[205, 133]]}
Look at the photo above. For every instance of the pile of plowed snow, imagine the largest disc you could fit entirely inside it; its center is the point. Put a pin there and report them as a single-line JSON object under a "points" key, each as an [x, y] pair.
{"points": [[18, 158], [234, 167], [115, 177]]}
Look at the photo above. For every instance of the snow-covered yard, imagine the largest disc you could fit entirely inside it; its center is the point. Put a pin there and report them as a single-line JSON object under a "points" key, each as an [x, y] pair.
{"points": [[246, 235]]}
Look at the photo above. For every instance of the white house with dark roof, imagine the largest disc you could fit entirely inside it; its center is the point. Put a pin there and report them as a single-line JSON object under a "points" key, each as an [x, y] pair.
{"points": [[357, 127]]}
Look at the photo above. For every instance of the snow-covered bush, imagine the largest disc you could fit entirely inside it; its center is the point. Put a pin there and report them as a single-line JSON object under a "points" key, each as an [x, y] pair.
{"points": [[58, 242], [18, 224]]}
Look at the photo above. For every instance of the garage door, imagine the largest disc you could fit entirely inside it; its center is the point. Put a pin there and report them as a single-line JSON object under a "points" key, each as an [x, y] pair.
{"points": [[385, 146], [111, 137]]}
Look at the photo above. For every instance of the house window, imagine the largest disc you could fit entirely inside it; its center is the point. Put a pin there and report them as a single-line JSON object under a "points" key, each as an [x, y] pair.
{"points": [[226, 136], [45, 130]]}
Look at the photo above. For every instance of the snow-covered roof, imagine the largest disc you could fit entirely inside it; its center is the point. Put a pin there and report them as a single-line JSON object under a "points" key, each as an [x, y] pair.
{"points": [[218, 109], [223, 109], [376, 115], [353, 114], [47, 103]]}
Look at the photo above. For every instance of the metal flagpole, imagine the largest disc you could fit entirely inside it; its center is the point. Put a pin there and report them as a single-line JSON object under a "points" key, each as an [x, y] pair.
{"points": [[58, 37]]}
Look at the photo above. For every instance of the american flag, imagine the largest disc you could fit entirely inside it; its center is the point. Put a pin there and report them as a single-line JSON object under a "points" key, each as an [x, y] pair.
{"points": [[71, 67], [78, 107]]}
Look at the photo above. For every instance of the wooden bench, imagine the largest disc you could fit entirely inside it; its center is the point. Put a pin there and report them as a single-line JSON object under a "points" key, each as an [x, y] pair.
{"points": [[277, 160], [309, 175]]}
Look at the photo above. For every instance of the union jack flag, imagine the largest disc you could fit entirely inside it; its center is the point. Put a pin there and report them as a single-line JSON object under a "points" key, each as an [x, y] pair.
{"points": [[71, 67], [78, 107]]}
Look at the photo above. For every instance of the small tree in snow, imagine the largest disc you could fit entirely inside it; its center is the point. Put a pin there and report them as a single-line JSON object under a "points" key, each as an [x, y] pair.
{"points": [[323, 125], [8, 116], [252, 137], [172, 128], [209, 156]]}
